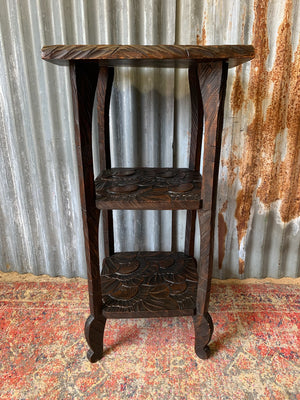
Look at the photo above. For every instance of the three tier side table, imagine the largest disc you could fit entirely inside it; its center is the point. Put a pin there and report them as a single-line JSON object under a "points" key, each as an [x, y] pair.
{"points": [[148, 284]]}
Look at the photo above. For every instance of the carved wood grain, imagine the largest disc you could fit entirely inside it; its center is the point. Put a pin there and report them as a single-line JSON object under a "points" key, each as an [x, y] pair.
{"points": [[212, 80], [148, 189], [195, 150], [104, 87], [83, 82], [154, 55], [149, 284]]}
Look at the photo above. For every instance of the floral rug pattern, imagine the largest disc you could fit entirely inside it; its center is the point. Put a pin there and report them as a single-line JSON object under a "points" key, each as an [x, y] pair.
{"points": [[255, 346]]}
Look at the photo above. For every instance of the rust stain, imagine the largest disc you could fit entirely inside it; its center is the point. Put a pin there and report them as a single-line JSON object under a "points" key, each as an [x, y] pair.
{"points": [[224, 208], [201, 40], [249, 165], [241, 265], [290, 206], [237, 93], [284, 77], [280, 88], [232, 165], [222, 232]]}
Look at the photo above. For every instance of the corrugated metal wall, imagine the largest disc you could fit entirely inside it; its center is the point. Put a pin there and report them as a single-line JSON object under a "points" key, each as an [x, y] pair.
{"points": [[258, 231]]}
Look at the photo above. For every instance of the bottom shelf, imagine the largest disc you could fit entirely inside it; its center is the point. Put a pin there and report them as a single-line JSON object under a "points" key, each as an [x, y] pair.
{"points": [[148, 284]]}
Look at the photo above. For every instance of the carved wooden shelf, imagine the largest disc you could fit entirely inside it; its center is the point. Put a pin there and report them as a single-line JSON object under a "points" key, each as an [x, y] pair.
{"points": [[149, 284], [148, 189], [163, 56]]}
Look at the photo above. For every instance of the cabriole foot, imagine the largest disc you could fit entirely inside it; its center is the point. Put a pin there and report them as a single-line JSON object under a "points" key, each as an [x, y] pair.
{"points": [[94, 332], [203, 331]]}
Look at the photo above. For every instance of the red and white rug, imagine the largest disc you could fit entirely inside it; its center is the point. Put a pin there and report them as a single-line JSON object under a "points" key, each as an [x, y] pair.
{"points": [[255, 346]]}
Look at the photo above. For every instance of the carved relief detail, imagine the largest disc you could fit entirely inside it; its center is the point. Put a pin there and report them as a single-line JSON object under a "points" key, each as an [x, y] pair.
{"points": [[139, 187], [149, 281]]}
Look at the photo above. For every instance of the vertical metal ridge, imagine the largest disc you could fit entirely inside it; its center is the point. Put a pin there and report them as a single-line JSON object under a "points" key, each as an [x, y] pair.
{"points": [[18, 221], [53, 184]]}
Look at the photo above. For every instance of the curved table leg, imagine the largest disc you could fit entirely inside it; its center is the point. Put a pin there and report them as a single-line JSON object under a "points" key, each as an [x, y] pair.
{"points": [[94, 332], [204, 328], [212, 82]]}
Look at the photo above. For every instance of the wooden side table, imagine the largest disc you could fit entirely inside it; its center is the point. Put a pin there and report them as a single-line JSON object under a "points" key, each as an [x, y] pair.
{"points": [[148, 284]]}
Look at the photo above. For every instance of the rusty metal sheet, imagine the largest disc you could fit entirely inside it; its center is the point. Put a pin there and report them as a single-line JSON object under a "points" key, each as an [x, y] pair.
{"points": [[258, 214]]}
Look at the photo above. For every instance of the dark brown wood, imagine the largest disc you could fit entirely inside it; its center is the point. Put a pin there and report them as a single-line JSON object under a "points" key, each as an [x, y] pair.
{"points": [[105, 81], [196, 120], [154, 55], [84, 81], [104, 87], [212, 80], [94, 332], [204, 328], [195, 150], [149, 284], [148, 189]]}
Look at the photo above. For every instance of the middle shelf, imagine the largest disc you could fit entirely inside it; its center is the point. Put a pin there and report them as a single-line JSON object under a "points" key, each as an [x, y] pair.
{"points": [[148, 189]]}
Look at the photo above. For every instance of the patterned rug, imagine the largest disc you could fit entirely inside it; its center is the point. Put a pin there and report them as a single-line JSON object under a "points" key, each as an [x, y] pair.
{"points": [[255, 347]]}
